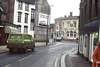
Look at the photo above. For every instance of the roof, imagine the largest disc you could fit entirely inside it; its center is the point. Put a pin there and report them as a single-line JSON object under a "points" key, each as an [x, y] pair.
{"points": [[71, 18], [28, 1], [68, 18]]}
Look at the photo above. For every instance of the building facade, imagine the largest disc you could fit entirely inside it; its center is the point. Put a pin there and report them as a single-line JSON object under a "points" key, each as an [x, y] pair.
{"points": [[20, 13], [24, 16], [67, 27], [51, 31], [59, 28], [42, 20], [89, 27]]}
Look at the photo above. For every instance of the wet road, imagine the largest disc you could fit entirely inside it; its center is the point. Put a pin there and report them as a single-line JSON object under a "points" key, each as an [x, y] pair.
{"points": [[41, 57]]}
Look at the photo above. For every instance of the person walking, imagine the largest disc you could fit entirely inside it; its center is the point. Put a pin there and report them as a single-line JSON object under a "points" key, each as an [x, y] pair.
{"points": [[96, 56]]}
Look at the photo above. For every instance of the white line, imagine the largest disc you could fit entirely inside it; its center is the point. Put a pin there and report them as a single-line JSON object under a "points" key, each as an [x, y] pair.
{"points": [[63, 57], [63, 60], [25, 58], [56, 64]]}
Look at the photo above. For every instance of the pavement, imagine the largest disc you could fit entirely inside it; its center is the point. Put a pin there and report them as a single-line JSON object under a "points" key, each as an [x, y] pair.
{"points": [[75, 60]]}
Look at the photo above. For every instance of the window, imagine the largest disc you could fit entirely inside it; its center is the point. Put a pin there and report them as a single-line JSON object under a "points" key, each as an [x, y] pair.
{"points": [[26, 18], [31, 26], [25, 29], [32, 13], [74, 33], [26, 7], [19, 16], [19, 28], [57, 27], [68, 23], [20, 5], [74, 22], [68, 33], [71, 25], [71, 33]]}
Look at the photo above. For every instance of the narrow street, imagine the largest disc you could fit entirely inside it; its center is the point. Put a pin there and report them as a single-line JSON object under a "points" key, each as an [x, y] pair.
{"points": [[42, 56]]}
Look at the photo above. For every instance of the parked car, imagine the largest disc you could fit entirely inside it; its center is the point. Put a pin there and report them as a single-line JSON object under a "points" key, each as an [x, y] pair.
{"points": [[58, 38], [20, 42]]}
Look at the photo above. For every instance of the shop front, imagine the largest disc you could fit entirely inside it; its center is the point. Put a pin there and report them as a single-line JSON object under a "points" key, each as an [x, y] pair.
{"points": [[91, 35]]}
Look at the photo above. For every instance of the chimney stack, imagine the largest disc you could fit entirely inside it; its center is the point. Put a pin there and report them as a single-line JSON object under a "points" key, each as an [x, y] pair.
{"points": [[71, 14]]}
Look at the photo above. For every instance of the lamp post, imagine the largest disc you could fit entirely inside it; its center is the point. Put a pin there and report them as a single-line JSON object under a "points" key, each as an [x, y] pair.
{"points": [[47, 32]]}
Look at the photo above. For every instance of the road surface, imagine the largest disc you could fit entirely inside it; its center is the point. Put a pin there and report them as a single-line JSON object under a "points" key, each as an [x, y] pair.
{"points": [[45, 56]]}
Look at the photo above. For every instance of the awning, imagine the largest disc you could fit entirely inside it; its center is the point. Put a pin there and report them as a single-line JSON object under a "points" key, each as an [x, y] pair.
{"points": [[91, 26]]}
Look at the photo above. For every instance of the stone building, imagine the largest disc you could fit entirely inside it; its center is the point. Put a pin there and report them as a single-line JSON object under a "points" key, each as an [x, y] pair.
{"points": [[67, 27], [42, 19], [51, 31], [89, 26]]}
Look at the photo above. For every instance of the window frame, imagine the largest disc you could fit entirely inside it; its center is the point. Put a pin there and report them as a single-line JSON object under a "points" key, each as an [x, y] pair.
{"points": [[26, 18], [19, 17]]}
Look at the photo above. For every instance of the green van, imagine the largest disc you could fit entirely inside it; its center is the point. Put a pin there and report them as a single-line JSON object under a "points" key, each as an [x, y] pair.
{"points": [[20, 42]]}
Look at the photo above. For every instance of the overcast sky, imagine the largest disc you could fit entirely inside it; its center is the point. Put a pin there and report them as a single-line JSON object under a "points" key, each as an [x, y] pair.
{"points": [[59, 8]]}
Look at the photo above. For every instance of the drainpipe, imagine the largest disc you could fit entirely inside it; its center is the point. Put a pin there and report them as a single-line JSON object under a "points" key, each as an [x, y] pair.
{"points": [[99, 31]]}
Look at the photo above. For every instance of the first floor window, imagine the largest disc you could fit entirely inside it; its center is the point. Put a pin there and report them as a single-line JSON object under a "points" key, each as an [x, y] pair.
{"points": [[26, 18], [74, 22], [19, 16]]}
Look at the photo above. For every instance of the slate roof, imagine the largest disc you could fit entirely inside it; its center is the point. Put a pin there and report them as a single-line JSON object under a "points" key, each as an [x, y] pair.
{"points": [[28, 1]]}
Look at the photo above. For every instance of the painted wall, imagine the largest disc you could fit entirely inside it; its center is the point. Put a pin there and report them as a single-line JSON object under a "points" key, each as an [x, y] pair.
{"points": [[22, 24]]}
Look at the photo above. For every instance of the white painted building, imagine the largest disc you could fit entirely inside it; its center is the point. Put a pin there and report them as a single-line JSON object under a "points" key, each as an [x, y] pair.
{"points": [[71, 28], [67, 27], [24, 17]]}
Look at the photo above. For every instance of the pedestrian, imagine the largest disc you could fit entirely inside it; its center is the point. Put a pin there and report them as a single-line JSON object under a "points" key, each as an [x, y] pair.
{"points": [[96, 56]]}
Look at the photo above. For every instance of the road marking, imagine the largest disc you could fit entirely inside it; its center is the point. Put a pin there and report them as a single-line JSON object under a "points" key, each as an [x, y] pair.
{"points": [[25, 58], [64, 56], [56, 62], [63, 59], [8, 65]]}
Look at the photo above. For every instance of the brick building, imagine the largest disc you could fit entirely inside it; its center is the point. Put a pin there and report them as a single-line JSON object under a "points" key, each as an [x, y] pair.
{"points": [[89, 26]]}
